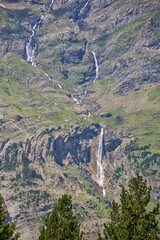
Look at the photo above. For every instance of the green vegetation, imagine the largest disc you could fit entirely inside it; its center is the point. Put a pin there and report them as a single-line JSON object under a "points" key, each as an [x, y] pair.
{"points": [[10, 159], [154, 95], [143, 158], [118, 173], [32, 198], [105, 85], [25, 100], [62, 224], [123, 35], [59, 12], [130, 219], [7, 231]]}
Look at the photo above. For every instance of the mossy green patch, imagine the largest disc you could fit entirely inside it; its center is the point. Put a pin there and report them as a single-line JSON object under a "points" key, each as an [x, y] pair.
{"points": [[59, 12], [154, 95]]}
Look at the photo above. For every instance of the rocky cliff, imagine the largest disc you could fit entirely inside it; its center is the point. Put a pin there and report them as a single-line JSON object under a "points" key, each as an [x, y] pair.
{"points": [[79, 105]]}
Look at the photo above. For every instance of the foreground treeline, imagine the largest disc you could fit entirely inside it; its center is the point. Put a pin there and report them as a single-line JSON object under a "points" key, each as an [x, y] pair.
{"points": [[130, 219]]}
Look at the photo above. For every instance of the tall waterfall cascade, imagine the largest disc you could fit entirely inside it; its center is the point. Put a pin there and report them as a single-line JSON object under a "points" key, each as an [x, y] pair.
{"points": [[96, 65], [100, 172]]}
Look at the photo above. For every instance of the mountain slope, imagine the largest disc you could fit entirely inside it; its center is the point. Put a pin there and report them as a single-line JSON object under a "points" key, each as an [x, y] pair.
{"points": [[70, 71]]}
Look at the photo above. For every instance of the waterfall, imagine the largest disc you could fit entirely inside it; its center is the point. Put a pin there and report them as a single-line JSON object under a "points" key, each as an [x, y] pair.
{"points": [[75, 99], [83, 8], [96, 64], [31, 45], [48, 76], [50, 6], [100, 172], [59, 86], [51, 80], [1, 5]]}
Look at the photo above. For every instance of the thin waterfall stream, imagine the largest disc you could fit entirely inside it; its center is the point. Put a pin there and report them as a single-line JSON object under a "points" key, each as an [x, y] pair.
{"points": [[31, 45], [85, 91], [96, 65], [48, 76], [83, 8], [50, 6], [100, 172]]}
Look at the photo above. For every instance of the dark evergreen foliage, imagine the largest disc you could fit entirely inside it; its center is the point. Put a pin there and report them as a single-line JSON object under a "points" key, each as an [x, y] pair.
{"points": [[6, 229], [130, 220], [62, 224]]}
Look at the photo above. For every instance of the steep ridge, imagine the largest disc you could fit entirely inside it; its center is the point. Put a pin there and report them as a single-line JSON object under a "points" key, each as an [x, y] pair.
{"points": [[79, 105]]}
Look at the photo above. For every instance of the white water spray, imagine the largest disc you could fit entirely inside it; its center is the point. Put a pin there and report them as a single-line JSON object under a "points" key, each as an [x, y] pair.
{"points": [[100, 172], [96, 64], [83, 8]]}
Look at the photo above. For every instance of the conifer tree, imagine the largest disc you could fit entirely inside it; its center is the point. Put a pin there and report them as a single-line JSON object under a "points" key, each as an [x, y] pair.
{"points": [[61, 224], [6, 229], [130, 219]]}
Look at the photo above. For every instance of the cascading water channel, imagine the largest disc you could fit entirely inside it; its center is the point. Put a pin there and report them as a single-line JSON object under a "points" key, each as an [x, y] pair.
{"points": [[59, 85], [50, 6], [51, 80], [100, 172], [48, 76], [31, 45], [96, 65], [83, 8], [1, 5]]}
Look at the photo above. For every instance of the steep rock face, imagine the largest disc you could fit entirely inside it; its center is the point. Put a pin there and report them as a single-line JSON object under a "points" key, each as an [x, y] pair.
{"points": [[25, 163]]}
